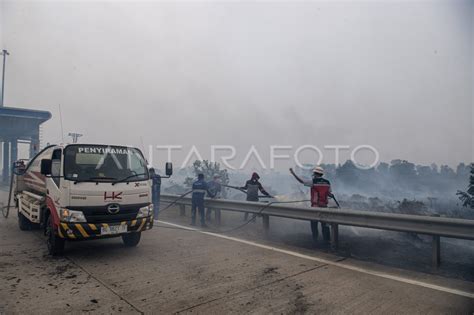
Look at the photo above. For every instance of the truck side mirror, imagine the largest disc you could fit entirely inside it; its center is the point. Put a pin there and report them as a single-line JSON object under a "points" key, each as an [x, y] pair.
{"points": [[46, 167], [169, 169]]}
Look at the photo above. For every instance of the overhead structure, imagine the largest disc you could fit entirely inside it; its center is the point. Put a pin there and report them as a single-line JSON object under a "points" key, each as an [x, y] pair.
{"points": [[19, 125]]}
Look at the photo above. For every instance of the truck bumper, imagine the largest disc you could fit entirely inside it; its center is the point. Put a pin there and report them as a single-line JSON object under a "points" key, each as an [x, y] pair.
{"points": [[78, 231]]}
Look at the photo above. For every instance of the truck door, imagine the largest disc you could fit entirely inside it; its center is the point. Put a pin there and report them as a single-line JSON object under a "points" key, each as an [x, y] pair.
{"points": [[53, 184]]}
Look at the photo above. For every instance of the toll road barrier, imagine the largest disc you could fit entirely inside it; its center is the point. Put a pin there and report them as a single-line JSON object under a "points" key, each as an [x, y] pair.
{"points": [[436, 227]]}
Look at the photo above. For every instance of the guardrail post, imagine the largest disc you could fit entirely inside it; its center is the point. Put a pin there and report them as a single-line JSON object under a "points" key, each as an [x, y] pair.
{"points": [[266, 222], [182, 210], [217, 216], [334, 236], [436, 251]]}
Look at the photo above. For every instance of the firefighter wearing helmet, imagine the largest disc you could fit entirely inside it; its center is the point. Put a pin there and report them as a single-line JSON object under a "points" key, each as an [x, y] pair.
{"points": [[252, 187], [320, 193]]}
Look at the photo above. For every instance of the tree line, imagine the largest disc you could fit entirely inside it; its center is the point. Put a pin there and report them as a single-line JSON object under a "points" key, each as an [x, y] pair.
{"points": [[401, 179]]}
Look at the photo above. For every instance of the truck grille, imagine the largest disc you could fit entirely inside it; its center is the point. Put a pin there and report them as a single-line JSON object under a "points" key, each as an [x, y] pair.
{"points": [[101, 214]]}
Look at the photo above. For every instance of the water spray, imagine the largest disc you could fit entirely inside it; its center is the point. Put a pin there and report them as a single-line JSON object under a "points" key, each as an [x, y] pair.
{"points": [[266, 205], [243, 191]]}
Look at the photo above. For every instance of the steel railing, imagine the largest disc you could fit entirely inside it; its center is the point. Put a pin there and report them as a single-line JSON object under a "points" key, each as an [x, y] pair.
{"points": [[429, 225]]}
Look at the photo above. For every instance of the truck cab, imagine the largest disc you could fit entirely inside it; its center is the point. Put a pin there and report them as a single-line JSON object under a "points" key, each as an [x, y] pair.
{"points": [[86, 191]]}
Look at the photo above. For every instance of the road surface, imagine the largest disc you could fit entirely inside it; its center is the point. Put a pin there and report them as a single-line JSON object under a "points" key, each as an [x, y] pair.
{"points": [[178, 270]]}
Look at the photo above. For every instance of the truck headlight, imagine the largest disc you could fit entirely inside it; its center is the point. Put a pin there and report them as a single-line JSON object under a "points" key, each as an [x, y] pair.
{"points": [[145, 211], [67, 215]]}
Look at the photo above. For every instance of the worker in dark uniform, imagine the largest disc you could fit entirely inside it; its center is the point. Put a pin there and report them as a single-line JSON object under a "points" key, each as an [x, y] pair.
{"points": [[320, 193], [200, 188], [215, 188], [155, 190], [252, 186]]}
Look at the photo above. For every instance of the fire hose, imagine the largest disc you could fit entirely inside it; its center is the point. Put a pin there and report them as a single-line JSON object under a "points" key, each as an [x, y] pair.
{"points": [[16, 167], [259, 212], [175, 201], [335, 200], [6, 209], [243, 191]]}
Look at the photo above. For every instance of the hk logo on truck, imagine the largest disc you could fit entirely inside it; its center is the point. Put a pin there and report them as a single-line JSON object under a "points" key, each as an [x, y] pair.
{"points": [[112, 196]]}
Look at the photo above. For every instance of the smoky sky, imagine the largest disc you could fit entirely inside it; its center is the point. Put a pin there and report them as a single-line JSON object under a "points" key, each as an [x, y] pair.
{"points": [[397, 75]]}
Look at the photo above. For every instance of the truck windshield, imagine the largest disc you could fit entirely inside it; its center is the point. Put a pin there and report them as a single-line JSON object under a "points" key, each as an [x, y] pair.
{"points": [[103, 163]]}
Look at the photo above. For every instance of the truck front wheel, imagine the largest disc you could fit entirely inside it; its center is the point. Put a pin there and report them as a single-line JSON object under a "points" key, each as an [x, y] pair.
{"points": [[55, 243], [131, 239], [23, 223]]}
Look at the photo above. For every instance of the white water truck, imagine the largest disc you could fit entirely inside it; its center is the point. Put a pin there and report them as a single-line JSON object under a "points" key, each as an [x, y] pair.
{"points": [[85, 191]]}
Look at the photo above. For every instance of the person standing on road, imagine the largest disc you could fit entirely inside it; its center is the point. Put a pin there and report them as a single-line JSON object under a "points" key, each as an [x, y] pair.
{"points": [[320, 193], [155, 190], [200, 188], [252, 186], [215, 188]]}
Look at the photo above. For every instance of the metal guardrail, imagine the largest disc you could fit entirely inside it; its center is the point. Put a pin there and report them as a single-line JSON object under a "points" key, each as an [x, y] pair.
{"points": [[434, 226]]}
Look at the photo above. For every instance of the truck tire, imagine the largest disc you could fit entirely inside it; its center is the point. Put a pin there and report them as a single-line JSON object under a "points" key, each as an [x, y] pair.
{"points": [[54, 242], [131, 239], [23, 223]]}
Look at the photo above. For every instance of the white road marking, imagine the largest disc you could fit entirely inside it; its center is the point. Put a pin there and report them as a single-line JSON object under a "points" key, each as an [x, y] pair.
{"points": [[329, 262]]}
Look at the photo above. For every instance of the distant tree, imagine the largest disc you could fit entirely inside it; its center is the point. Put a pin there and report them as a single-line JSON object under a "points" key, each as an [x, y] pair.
{"points": [[467, 197], [424, 171], [209, 169], [462, 171], [382, 168], [447, 171], [402, 169], [347, 173], [404, 175]]}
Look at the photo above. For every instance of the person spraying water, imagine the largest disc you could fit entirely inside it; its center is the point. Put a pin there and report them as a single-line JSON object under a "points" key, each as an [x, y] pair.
{"points": [[320, 194], [252, 186], [215, 187]]}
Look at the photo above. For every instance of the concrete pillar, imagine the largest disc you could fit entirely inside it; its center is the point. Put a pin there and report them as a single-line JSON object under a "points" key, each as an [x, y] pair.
{"points": [[182, 210], [334, 236], [6, 161], [34, 144], [14, 151], [436, 251]]}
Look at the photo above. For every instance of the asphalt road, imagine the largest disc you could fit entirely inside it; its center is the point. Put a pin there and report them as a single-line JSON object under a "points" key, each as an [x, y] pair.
{"points": [[175, 270]]}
